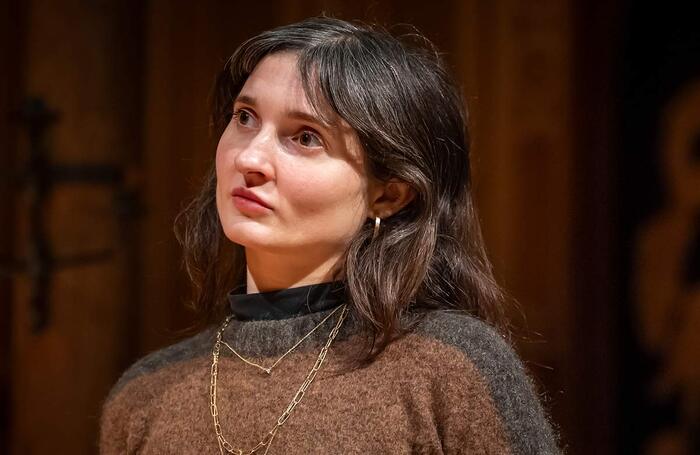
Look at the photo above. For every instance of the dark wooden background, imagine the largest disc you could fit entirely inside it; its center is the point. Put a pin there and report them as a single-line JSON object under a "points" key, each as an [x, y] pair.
{"points": [[557, 111]]}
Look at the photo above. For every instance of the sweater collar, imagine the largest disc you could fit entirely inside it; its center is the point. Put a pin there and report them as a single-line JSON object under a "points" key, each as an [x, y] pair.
{"points": [[285, 303]]}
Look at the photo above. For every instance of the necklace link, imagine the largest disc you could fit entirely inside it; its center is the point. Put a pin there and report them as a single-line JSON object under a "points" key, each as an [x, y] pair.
{"points": [[268, 370], [224, 445]]}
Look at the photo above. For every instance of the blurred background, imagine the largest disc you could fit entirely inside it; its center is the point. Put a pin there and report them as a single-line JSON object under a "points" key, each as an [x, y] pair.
{"points": [[585, 118]]}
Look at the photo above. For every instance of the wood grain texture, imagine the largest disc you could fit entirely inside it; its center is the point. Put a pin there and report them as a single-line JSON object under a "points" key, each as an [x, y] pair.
{"points": [[80, 59]]}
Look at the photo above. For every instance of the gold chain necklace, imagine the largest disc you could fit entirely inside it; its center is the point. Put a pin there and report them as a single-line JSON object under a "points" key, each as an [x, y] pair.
{"points": [[268, 370], [267, 440]]}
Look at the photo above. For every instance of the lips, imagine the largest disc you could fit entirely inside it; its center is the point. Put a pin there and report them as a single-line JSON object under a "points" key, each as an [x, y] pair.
{"points": [[248, 196]]}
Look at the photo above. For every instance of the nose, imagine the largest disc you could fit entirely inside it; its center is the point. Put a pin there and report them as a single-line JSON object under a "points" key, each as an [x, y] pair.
{"points": [[254, 160]]}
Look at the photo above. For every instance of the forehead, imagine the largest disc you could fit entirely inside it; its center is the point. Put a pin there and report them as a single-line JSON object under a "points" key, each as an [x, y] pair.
{"points": [[276, 73], [276, 79]]}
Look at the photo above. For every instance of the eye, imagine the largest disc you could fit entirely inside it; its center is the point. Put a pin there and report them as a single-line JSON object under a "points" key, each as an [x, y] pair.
{"points": [[309, 139], [242, 117]]}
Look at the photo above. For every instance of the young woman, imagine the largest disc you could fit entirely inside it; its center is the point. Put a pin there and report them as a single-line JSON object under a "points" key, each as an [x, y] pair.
{"points": [[339, 266]]}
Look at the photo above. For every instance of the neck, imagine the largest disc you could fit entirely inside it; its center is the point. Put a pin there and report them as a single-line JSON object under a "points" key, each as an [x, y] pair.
{"points": [[270, 272]]}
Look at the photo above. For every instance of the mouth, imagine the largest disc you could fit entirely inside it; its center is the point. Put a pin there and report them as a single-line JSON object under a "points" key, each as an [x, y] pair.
{"points": [[246, 201]]}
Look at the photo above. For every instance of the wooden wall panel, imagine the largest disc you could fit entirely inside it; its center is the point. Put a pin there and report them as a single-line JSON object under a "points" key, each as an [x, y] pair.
{"points": [[80, 60], [520, 92]]}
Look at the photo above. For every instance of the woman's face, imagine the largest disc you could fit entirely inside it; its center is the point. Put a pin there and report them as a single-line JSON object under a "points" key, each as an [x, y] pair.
{"points": [[286, 182]]}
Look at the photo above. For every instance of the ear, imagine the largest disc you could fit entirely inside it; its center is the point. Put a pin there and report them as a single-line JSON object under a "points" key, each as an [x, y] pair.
{"points": [[387, 198]]}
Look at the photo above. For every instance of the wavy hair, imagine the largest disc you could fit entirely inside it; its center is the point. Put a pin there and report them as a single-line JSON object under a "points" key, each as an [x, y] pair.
{"points": [[411, 122]]}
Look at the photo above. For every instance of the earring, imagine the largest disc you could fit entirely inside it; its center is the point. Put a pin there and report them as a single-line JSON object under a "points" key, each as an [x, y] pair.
{"points": [[377, 222]]}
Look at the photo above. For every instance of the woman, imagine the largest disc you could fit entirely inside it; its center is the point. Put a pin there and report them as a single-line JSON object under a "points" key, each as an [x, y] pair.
{"points": [[339, 211]]}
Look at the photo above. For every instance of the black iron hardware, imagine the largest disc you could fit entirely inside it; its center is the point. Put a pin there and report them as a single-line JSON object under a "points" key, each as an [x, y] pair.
{"points": [[37, 178]]}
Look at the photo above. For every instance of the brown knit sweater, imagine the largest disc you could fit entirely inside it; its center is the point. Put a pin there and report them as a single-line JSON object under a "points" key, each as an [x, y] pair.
{"points": [[452, 386]]}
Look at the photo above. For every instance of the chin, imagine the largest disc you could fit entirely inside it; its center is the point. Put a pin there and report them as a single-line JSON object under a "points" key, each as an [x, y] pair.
{"points": [[248, 234], [241, 234]]}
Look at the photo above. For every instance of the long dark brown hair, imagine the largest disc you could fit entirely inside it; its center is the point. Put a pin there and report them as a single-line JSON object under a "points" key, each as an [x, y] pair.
{"points": [[410, 119]]}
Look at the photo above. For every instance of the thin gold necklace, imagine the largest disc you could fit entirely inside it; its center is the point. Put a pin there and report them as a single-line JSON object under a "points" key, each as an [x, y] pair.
{"points": [[268, 370], [311, 375]]}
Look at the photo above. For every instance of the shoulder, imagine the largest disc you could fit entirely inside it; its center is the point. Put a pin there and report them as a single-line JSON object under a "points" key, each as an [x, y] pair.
{"points": [[478, 340], [511, 388], [125, 416], [183, 351]]}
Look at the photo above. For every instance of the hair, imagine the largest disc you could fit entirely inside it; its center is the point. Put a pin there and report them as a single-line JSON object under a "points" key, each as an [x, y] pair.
{"points": [[409, 116]]}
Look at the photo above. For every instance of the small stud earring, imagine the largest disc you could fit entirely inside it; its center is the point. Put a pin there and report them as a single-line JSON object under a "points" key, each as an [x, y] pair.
{"points": [[377, 222]]}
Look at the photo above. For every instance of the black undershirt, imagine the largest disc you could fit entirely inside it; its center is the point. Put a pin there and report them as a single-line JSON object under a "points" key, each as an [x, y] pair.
{"points": [[285, 303]]}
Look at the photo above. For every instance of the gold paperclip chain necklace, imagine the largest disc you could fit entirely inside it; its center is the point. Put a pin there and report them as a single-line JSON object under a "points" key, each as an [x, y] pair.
{"points": [[268, 370], [267, 440]]}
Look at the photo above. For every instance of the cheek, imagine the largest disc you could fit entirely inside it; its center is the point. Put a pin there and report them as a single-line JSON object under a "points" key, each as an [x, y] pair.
{"points": [[221, 157], [224, 163], [336, 193], [219, 167], [224, 149]]}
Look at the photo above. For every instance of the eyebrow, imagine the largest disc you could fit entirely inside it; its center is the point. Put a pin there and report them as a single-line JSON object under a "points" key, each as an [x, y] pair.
{"points": [[299, 115]]}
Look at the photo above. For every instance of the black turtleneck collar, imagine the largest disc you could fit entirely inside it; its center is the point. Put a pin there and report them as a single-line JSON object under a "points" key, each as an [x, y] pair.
{"points": [[285, 303]]}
